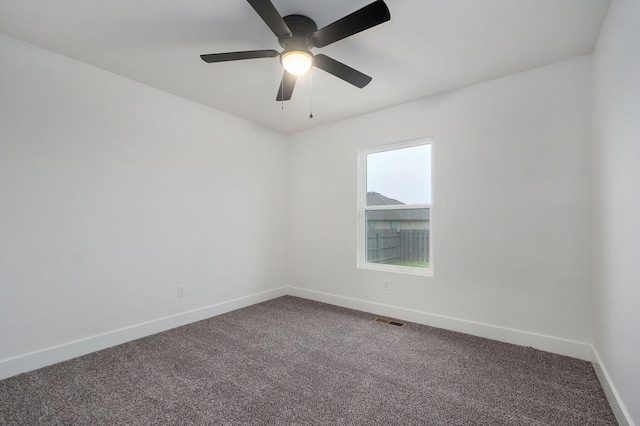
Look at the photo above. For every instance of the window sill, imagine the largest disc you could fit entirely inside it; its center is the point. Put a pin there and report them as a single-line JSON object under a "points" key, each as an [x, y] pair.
{"points": [[425, 272]]}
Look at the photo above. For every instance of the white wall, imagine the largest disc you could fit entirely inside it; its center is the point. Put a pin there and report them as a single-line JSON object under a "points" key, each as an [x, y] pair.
{"points": [[112, 193], [511, 220], [616, 156]]}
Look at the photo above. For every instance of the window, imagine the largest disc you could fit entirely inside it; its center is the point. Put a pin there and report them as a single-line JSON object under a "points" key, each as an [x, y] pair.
{"points": [[395, 208]]}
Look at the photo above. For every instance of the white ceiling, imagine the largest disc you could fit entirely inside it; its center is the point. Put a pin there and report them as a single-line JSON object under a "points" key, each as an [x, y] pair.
{"points": [[429, 46]]}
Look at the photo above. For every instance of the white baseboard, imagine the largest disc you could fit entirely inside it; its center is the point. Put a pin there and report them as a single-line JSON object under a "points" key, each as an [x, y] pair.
{"points": [[41, 358], [552, 344], [617, 406], [52, 355]]}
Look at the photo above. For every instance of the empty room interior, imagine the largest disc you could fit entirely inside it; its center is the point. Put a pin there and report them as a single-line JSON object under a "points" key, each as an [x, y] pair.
{"points": [[145, 189]]}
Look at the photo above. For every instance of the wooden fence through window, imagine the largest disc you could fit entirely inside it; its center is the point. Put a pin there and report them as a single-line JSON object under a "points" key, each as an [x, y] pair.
{"points": [[387, 245]]}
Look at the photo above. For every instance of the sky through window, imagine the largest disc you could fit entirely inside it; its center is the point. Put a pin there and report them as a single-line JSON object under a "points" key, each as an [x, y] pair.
{"points": [[396, 173]]}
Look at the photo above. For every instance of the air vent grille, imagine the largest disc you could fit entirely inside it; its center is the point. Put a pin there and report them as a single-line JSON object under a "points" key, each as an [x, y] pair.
{"points": [[390, 322]]}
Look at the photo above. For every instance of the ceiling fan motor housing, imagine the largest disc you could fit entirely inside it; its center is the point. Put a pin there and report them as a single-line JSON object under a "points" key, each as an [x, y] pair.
{"points": [[301, 29]]}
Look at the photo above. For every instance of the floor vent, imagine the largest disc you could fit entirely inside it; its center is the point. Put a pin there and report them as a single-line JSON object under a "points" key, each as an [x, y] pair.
{"points": [[390, 322]]}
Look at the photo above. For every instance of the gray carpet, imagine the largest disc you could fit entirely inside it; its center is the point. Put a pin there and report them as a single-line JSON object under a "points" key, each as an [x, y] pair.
{"points": [[295, 361]]}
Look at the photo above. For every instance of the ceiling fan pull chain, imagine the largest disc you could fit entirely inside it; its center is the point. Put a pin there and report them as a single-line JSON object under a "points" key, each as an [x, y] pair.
{"points": [[311, 93]]}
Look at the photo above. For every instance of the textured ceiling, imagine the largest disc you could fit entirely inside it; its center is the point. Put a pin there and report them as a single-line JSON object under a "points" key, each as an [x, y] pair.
{"points": [[429, 46]]}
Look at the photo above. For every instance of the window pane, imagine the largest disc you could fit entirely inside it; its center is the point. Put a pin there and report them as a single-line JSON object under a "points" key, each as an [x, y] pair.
{"points": [[400, 176], [406, 244]]}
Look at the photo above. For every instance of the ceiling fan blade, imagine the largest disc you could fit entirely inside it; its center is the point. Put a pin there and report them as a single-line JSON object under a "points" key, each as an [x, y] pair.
{"points": [[236, 56], [271, 17], [286, 86], [369, 16], [341, 71]]}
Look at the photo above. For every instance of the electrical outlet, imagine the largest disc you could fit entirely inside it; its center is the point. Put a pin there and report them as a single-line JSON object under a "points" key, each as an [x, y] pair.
{"points": [[180, 291], [386, 285]]}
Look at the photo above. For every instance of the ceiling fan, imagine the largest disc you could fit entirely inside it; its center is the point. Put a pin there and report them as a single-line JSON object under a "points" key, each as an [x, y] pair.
{"points": [[298, 34]]}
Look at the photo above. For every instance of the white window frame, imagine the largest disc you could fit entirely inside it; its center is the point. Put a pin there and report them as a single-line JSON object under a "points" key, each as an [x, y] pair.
{"points": [[363, 208]]}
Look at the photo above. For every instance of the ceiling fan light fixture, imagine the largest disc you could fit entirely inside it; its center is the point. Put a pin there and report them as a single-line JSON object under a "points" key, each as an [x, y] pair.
{"points": [[298, 34], [297, 62]]}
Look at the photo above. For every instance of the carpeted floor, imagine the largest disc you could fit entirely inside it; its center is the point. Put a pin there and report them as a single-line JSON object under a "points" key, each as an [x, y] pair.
{"points": [[295, 361]]}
